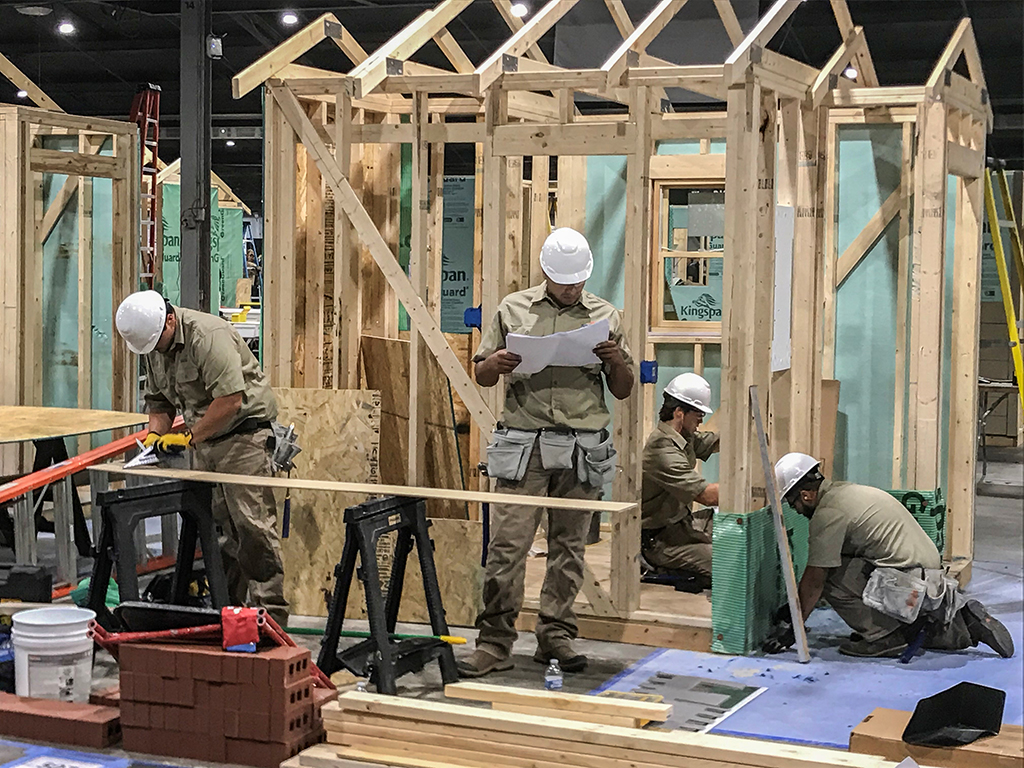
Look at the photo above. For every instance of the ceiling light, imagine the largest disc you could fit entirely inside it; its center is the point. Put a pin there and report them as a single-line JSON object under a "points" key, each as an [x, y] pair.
{"points": [[66, 28], [34, 10], [519, 10], [22, 94], [850, 72], [229, 143], [289, 18]]}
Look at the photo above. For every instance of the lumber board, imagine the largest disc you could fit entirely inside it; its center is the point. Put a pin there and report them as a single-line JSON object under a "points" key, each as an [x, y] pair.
{"points": [[25, 83], [573, 139], [641, 36], [515, 23], [732, 24], [22, 423], [738, 62], [554, 700], [78, 164], [707, 748], [523, 40], [868, 236], [563, 714], [330, 486], [964, 161]]}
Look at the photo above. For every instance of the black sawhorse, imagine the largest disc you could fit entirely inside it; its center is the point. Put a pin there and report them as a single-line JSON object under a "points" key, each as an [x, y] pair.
{"points": [[380, 658], [122, 510]]}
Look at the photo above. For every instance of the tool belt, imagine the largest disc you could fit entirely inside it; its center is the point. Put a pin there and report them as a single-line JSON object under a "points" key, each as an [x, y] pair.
{"points": [[245, 427], [590, 453], [907, 594]]}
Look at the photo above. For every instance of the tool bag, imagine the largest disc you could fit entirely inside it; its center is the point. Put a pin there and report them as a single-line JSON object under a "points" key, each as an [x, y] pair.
{"points": [[905, 595]]}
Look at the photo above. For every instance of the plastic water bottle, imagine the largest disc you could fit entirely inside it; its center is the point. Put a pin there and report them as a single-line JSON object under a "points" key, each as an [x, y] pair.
{"points": [[553, 676]]}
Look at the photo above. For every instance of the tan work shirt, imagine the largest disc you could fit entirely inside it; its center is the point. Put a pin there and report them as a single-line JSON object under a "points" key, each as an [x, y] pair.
{"points": [[207, 360], [861, 521], [671, 481], [556, 396]]}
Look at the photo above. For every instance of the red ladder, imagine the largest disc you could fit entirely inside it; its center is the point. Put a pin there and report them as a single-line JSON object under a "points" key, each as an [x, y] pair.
{"points": [[146, 114]]}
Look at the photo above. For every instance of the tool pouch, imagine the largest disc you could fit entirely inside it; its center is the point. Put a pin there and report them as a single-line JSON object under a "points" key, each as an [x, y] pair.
{"points": [[595, 458], [557, 449], [509, 453], [284, 447]]}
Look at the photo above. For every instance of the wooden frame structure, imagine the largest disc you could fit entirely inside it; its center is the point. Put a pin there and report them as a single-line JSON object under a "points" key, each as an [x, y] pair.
{"points": [[105, 149], [338, 131]]}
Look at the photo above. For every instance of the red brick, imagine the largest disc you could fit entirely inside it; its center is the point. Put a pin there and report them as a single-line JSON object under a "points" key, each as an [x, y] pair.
{"points": [[246, 662], [127, 685], [202, 694], [183, 666], [229, 667], [268, 755], [62, 722], [287, 729], [231, 722], [156, 717], [287, 665]]}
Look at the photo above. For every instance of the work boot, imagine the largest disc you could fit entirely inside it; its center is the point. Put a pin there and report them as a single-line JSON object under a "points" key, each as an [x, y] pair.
{"points": [[891, 646], [480, 663], [568, 659], [987, 629]]}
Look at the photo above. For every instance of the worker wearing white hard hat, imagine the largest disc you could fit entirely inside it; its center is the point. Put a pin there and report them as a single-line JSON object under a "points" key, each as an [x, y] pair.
{"points": [[674, 540], [553, 440], [866, 555], [198, 366]]}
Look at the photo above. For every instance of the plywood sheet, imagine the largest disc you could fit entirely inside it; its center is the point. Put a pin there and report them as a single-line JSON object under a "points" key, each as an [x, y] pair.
{"points": [[19, 423], [339, 431]]}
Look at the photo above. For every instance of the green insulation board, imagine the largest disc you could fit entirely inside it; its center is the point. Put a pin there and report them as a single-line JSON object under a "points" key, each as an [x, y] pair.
{"points": [[747, 586]]}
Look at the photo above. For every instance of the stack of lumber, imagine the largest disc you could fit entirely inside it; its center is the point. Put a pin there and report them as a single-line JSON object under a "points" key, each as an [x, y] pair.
{"points": [[567, 706], [405, 733]]}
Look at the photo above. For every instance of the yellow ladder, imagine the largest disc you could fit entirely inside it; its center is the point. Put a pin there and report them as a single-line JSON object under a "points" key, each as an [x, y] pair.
{"points": [[996, 226]]}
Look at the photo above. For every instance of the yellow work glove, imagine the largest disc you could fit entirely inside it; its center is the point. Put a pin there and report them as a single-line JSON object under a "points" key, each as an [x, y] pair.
{"points": [[151, 438], [174, 442]]}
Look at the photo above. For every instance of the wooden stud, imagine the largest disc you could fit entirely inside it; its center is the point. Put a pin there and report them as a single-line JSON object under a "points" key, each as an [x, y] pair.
{"points": [[830, 254], [347, 312], [868, 236], [418, 268], [902, 327], [494, 182], [512, 279], [540, 220], [85, 318], [313, 280]]}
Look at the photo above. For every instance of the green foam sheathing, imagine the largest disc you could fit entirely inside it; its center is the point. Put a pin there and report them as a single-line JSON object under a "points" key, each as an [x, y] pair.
{"points": [[946, 379], [746, 572]]}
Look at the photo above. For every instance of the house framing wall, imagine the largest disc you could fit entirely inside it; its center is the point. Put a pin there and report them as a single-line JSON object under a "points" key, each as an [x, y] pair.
{"points": [[26, 226], [346, 126]]}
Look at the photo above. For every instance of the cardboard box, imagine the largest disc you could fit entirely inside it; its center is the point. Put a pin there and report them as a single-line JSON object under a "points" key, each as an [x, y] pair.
{"points": [[881, 733], [62, 722]]}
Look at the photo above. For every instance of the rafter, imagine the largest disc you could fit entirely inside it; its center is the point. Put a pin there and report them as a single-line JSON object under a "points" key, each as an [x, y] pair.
{"points": [[865, 66], [24, 82], [521, 41], [271, 63], [827, 78], [370, 73], [732, 24], [742, 57], [625, 26], [453, 51], [641, 37], [515, 24], [962, 42]]}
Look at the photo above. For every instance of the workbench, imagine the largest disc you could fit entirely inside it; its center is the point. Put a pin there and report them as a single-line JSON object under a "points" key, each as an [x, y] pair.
{"points": [[47, 428]]}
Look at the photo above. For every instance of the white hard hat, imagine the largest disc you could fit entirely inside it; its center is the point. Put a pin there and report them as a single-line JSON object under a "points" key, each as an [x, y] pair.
{"points": [[140, 320], [565, 257], [691, 389], [791, 469]]}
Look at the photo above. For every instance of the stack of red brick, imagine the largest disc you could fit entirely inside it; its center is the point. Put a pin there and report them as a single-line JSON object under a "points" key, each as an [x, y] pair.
{"points": [[203, 703]]}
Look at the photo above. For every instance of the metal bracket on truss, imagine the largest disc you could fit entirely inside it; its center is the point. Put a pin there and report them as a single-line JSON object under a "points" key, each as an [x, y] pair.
{"points": [[394, 67], [332, 29], [509, 63]]}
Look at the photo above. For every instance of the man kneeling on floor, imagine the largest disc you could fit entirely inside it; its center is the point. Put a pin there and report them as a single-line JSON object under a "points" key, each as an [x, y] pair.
{"points": [[877, 568], [672, 542]]}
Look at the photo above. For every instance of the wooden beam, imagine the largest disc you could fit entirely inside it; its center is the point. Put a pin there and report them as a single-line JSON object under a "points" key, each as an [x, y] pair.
{"points": [[827, 78], [732, 24], [962, 42], [370, 73], [566, 702], [557, 139], [77, 164], [453, 51], [419, 395], [521, 41], [22, 81], [272, 62], [756, 40], [964, 161], [363, 226], [515, 24], [865, 241], [889, 96], [369, 489], [648, 29]]}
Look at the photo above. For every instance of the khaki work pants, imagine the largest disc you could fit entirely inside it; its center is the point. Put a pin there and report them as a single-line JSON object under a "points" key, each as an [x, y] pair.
{"points": [[677, 548], [246, 518], [844, 589], [511, 535]]}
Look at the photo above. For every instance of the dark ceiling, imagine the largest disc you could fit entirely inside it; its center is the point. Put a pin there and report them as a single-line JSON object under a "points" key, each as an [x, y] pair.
{"points": [[120, 43]]}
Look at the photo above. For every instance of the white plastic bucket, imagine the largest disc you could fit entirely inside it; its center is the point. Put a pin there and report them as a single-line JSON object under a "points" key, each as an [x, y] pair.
{"points": [[53, 653]]}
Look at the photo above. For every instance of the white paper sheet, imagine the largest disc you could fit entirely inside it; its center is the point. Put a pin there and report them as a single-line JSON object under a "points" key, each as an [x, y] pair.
{"points": [[568, 348]]}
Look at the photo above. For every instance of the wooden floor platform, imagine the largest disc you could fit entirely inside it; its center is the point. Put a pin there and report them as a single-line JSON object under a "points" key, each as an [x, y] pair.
{"points": [[666, 619]]}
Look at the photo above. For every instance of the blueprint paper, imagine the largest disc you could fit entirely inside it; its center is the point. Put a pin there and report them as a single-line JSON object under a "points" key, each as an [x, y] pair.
{"points": [[567, 348]]}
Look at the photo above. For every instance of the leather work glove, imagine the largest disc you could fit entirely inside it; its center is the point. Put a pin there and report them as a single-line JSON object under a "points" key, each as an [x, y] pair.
{"points": [[174, 442], [151, 438], [781, 636]]}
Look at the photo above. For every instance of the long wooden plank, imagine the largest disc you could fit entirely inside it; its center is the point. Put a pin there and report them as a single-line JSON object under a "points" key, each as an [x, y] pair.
{"points": [[868, 236], [739, 60], [573, 138], [24, 82], [563, 714], [556, 700], [419, 396], [964, 161], [523, 40], [723, 749], [732, 24], [382, 255], [75, 163], [484, 497], [85, 286], [372, 72], [274, 61]]}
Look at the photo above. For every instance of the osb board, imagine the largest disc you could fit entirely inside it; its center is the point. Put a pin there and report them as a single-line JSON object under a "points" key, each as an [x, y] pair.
{"points": [[385, 364], [339, 432], [20, 423]]}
